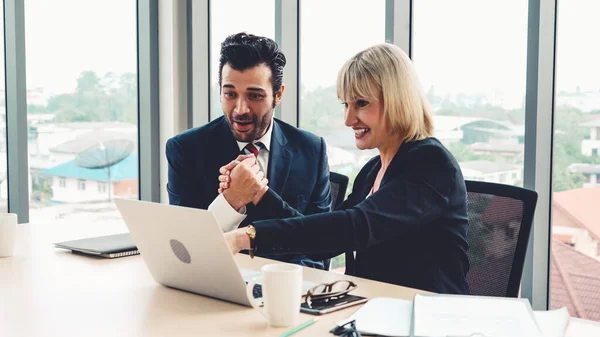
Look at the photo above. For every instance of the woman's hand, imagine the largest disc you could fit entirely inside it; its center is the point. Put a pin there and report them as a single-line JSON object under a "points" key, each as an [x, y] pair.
{"points": [[237, 240]]}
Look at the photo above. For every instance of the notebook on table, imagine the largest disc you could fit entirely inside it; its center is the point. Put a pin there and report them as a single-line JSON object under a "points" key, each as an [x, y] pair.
{"points": [[109, 246]]}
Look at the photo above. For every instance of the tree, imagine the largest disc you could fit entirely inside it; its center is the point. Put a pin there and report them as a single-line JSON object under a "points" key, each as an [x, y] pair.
{"points": [[321, 112], [35, 108], [432, 96], [562, 179], [41, 191], [109, 98], [567, 149]]}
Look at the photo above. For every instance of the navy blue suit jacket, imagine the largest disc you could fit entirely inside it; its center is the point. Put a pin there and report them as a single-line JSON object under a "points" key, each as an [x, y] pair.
{"points": [[298, 173], [411, 232]]}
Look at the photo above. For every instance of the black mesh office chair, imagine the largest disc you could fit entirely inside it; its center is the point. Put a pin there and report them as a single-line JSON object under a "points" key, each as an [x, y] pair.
{"points": [[339, 185], [500, 219]]}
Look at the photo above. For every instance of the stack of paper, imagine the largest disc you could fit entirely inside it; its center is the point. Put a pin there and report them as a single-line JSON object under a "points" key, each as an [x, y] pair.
{"points": [[383, 316], [459, 315], [582, 328], [552, 323]]}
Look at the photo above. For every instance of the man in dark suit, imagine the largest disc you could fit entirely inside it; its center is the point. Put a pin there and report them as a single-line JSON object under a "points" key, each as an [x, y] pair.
{"points": [[294, 161]]}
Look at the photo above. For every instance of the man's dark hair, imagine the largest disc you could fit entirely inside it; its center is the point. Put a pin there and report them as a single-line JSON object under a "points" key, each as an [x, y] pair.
{"points": [[243, 51]]}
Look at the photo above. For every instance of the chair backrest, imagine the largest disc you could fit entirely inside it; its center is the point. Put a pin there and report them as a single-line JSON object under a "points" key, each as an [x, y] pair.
{"points": [[500, 219], [339, 184]]}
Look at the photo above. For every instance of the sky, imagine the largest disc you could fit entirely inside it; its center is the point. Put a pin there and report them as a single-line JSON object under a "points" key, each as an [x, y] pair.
{"points": [[459, 46], [65, 37]]}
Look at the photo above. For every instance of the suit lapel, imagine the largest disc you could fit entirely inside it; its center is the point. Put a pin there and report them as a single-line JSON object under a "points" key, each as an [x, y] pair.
{"points": [[280, 160], [230, 149], [223, 149]]}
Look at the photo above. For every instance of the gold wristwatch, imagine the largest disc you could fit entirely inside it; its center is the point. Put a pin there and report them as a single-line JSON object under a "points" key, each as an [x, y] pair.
{"points": [[251, 231]]}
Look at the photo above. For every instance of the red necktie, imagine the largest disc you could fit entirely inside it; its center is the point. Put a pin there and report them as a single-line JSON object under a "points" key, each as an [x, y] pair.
{"points": [[252, 149]]}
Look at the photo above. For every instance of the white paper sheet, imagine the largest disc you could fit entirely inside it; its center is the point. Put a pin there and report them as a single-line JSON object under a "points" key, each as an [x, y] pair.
{"points": [[582, 328], [384, 317], [552, 323], [456, 315]]}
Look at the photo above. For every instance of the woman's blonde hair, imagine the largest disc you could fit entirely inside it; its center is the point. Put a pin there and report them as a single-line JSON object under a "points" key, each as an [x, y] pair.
{"points": [[387, 68]]}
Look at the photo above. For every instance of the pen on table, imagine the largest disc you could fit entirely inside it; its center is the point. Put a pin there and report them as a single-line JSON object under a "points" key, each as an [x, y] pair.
{"points": [[300, 327]]}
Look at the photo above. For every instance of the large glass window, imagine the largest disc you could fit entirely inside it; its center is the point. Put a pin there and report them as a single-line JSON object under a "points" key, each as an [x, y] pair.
{"points": [[3, 162], [575, 254], [330, 33], [327, 41], [81, 107], [471, 59], [255, 17]]}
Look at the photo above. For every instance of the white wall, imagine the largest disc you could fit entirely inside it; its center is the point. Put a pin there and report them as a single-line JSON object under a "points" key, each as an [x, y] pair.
{"points": [[580, 238], [71, 194], [448, 137], [587, 145], [511, 177], [593, 180]]}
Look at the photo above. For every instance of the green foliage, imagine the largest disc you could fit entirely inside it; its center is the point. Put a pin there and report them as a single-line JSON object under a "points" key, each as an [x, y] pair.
{"points": [[514, 116], [113, 97], [462, 153], [34, 108], [567, 139], [567, 149], [41, 191], [338, 262], [109, 98], [321, 112]]}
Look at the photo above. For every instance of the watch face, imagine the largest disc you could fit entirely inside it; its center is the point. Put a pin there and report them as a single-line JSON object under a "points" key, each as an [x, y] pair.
{"points": [[251, 231]]}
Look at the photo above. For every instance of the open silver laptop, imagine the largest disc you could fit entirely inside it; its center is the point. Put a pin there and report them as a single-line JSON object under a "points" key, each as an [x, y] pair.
{"points": [[184, 248]]}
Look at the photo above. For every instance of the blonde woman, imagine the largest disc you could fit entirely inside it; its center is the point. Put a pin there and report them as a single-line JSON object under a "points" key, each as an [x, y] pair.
{"points": [[407, 215]]}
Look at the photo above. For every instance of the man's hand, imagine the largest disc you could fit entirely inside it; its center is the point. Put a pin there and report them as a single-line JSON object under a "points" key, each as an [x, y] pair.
{"points": [[246, 184], [225, 171]]}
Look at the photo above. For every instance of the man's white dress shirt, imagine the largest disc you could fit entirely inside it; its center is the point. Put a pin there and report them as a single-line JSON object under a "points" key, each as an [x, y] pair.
{"points": [[227, 217]]}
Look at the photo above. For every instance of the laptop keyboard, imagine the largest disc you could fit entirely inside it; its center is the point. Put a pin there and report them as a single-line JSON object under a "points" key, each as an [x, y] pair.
{"points": [[257, 291]]}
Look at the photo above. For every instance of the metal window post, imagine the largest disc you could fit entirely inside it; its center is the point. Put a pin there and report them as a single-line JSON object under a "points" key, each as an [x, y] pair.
{"points": [[16, 109], [148, 100], [539, 116]]}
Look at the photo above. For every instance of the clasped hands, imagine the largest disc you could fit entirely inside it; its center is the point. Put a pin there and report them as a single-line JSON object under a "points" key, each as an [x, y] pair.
{"points": [[242, 182]]}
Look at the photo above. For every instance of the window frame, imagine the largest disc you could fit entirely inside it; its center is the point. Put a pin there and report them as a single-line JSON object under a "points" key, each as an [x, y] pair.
{"points": [[81, 184], [539, 109]]}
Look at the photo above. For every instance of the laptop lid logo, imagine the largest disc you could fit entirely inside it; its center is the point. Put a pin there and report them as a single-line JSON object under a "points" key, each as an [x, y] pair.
{"points": [[180, 251]]}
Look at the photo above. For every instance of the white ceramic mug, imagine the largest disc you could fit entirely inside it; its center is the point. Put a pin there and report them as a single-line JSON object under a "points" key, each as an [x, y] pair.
{"points": [[8, 230], [282, 293]]}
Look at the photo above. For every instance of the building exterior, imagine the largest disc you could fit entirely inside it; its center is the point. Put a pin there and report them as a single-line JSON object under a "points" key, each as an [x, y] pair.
{"points": [[470, 130], [590, 172], [591, 145], [482, 136], [494, 172], [75, 184], [51, 144], [575, 219], [575, 282], [506, 148]]}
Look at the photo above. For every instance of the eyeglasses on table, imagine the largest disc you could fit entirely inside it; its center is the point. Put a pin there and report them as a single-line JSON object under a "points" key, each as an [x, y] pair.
{"points": [[325, 292]]}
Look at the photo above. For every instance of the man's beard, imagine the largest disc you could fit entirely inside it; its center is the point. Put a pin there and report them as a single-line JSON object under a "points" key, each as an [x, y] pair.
{"points": [[258, 129]]}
